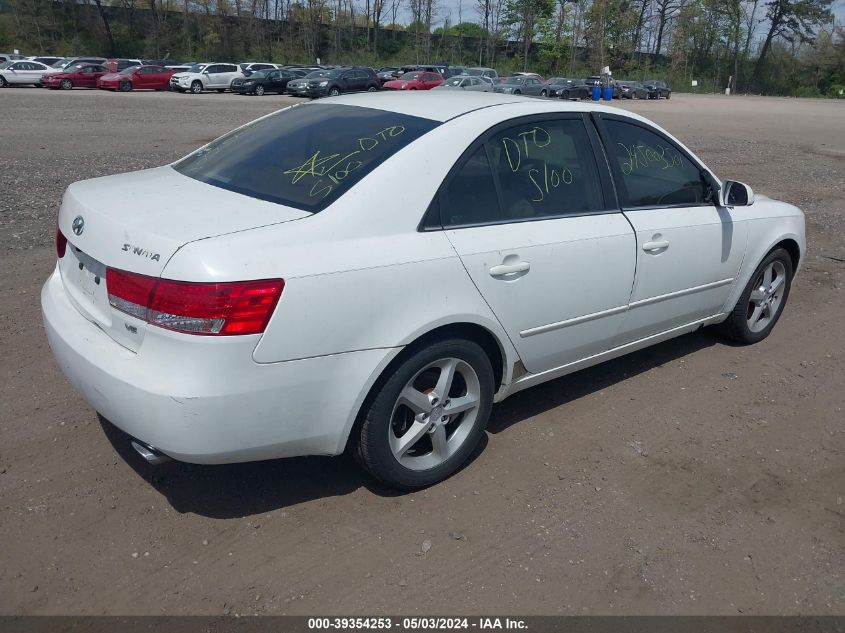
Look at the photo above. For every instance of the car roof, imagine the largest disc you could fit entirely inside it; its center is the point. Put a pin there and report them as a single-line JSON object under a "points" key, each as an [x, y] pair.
{"points": [[443, 107]]}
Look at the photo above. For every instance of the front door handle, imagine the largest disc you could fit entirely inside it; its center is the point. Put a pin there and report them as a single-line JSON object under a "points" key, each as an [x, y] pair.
{"points": [[509, 269], [658, 245]]}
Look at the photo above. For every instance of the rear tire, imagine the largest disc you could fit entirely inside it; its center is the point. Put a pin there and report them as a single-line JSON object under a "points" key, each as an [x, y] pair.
{"points": [[439, 442], [543, 93], [3, 82], [762, 301]]}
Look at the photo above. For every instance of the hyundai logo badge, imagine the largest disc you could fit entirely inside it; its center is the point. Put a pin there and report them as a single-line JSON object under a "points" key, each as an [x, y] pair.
{"points": [[78, 225]]}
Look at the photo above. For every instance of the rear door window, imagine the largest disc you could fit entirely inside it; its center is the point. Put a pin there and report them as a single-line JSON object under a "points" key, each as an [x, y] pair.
{"points": [[306, 156], [546, 169]]}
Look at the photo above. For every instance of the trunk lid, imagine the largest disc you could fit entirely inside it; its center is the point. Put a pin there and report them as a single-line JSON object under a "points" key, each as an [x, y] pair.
{"points": [[136, 222]]}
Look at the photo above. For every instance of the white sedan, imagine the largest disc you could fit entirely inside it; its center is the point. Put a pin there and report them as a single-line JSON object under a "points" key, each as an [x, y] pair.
{"points": [[17, 73], [374, 271]]}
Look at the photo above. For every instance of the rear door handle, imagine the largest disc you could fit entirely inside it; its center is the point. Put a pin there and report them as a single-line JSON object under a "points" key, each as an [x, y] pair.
{"points": [[509, 269], [655, 246]]}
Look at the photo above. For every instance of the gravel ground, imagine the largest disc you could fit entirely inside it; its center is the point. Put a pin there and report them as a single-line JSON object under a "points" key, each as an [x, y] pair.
{"points": [[690, 478]]}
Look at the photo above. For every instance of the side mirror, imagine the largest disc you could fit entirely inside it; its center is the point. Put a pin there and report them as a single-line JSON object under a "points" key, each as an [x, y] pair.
{"points": [[736, 194]]}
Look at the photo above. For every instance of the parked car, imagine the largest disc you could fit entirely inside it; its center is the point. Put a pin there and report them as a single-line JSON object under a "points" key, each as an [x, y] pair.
{"points": [[519, 84], [206, 76], [10, 57], [565, 88], [482, 72], [78, 61], [76, 76], [18, 73], [657, 88], [248, 68], [137, 78], [632, 90], [46, 60], [330, 83], [441, 69], [387, 74], [212, 336], [415, 80], [263, 81], [116, 65], [465, 82]]}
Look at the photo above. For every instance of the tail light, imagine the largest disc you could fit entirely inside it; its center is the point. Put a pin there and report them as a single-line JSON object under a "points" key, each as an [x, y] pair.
{"points": [[240, 307], [61, 243]]}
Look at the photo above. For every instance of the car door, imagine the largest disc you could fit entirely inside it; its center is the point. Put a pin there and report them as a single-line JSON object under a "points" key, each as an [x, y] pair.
{"points": [[689, 249], [527, 209], [214, 75], [142, 78], [88, 76]]}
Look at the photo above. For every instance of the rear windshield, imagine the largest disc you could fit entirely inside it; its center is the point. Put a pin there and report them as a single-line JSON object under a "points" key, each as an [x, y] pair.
{"points": [[306, 156]]}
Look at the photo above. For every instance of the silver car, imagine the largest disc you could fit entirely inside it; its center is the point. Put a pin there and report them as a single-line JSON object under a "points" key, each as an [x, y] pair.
{"points": [[465, 82]]}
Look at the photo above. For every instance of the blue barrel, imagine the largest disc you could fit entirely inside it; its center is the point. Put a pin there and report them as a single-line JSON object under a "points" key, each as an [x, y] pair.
{"points": [[608, 93], [596, 93]]}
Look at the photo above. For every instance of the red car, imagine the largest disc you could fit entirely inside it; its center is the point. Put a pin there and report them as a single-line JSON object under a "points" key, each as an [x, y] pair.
{"points": [[416, 80], [137, 78], [77, 76]]}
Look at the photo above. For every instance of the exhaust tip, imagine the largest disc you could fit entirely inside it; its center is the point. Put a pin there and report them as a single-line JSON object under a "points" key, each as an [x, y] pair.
{"points": [[150, 454]]}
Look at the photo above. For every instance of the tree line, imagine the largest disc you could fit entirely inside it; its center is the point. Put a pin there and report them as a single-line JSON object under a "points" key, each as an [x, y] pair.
{"points": [[787, 47]]}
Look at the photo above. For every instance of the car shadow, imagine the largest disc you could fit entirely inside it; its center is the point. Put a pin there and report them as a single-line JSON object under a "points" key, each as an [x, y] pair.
{"points": [[241, 490], [555, 393]]}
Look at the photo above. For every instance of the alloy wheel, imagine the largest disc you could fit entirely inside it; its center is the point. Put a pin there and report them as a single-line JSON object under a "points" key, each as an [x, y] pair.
{"points": [[434, 414], [66, 84], [766, 296], [259, 90]]}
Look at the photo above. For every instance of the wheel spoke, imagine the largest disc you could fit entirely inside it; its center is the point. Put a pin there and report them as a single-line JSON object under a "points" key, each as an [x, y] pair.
{"points": [[447, 375], [415, 400], [755, 316], [438, 441], [767, 277], [459, 405], [401, 445], [776, 284]]}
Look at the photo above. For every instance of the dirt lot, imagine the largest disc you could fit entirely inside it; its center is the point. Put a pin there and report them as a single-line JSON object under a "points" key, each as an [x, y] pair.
{"points": [[690, 478]]}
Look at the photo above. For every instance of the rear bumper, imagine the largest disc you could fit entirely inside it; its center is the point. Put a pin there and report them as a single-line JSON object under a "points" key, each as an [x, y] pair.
{"points": [[207, 401]]}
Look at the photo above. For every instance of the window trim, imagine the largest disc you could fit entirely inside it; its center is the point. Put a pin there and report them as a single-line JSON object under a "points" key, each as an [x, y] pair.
{"points": [[432, 219], [619, 188]]}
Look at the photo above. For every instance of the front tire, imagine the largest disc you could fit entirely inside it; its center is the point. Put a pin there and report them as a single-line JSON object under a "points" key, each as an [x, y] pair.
{"points": [[125, 86], [762, 301], [66, 84], [259, 90], [334, 91], [543, 93], [428, 416], [196, 87]]}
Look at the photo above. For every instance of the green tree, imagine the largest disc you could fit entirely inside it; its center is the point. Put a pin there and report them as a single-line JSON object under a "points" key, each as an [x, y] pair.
{"points": [[793, 20], [525, 17]]}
